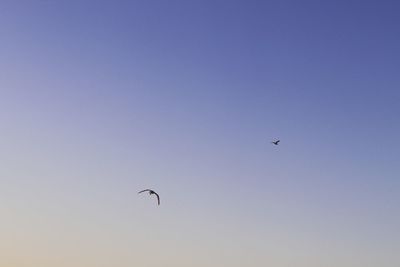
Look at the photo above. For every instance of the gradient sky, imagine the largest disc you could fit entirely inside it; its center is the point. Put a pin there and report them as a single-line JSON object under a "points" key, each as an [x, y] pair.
{"points": [[100, 99]]}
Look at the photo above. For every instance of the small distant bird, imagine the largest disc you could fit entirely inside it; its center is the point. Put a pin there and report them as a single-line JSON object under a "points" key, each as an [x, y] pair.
{"points": [[275, 142], [151, 192]]}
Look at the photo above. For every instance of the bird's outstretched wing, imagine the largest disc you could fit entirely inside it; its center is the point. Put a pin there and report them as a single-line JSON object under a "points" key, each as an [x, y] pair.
{"points": [[144, 191], [158, 198]]}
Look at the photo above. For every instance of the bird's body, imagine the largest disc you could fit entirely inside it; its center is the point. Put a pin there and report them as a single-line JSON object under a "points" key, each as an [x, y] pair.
{"points": [[275, 142], [151, 192]]}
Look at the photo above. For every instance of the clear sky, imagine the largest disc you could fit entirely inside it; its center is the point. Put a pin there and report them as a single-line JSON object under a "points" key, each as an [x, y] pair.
{"points": [[101, 99]]}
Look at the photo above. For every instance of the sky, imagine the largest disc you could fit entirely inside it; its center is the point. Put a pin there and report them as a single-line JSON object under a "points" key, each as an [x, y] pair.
{"points": [[101, 99]]}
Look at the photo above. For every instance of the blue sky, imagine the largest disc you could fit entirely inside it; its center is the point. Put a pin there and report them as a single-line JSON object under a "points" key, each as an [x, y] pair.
{"points": [[101, 99]]}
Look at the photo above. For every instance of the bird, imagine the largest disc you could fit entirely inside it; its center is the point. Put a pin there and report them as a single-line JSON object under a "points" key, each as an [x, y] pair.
{"points": [[151, 192], [275, 142]]}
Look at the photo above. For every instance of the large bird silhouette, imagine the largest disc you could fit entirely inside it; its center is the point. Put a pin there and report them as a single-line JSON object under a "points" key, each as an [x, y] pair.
{"points": [[151, 192]]}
